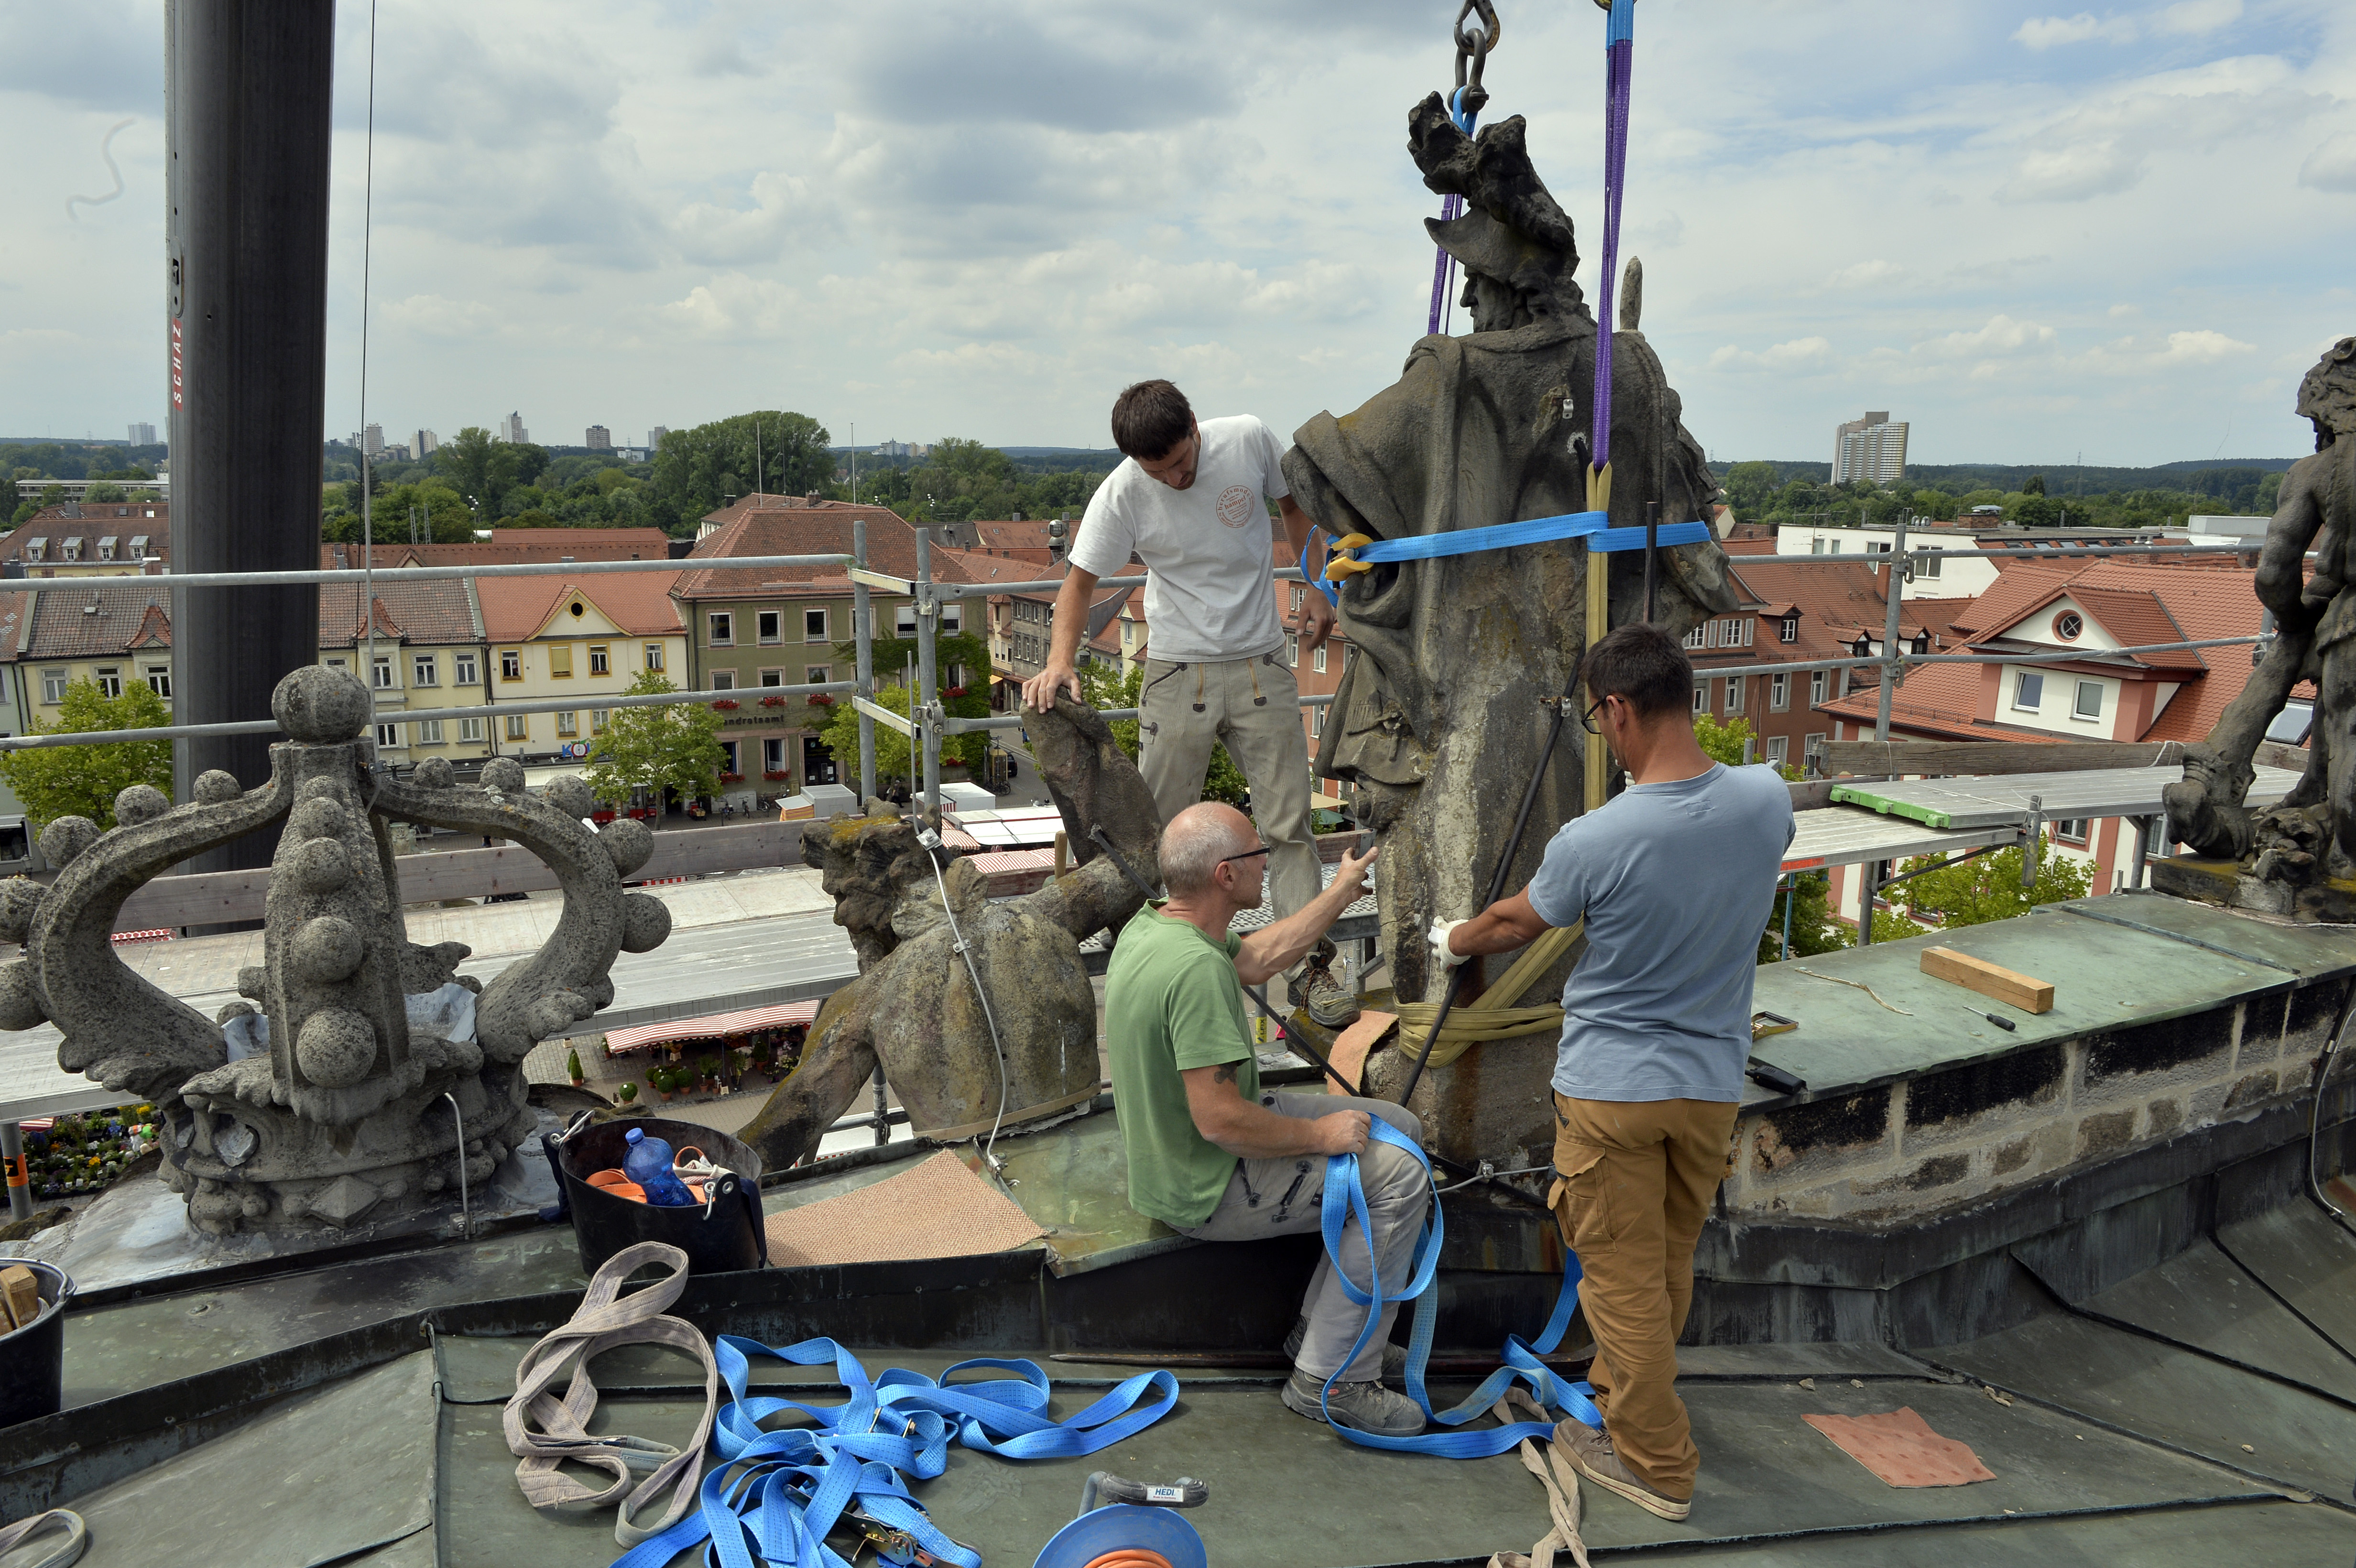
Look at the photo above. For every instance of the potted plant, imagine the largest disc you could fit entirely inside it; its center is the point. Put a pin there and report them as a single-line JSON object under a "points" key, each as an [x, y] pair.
{"points": [[777, 775], [573, 1067], [626, 1093], [728, 705], [822, 699], [732, 778], [666, 1082], [773, 702]]}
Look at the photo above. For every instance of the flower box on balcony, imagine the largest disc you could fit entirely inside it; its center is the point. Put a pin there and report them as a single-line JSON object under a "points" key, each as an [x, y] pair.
{"points": [[777, 775], [822, 699], [773, 702], [726, 705], [732, 778], [954, 691]]}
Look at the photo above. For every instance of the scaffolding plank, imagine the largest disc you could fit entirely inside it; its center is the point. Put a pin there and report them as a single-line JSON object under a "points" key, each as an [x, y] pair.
{"points": [[1958, 802]]}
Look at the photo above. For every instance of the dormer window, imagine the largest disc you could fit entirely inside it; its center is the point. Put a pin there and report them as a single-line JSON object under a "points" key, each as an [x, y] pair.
{"points": [[106, 547], [139, 547], [37, 549], [1790, 628], [73, 550]]}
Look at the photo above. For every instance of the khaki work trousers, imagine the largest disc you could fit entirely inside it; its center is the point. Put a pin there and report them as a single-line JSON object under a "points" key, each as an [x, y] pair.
{"points": [[1634, 1180], [1253, 708], [1286, 1197]]}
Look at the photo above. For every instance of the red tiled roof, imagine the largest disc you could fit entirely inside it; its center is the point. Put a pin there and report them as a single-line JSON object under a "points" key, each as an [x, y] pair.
{"points": [[2156, 604], [777, 530], [516, 608]]}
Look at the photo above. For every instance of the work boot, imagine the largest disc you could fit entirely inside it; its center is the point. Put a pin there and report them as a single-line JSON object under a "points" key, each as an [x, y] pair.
{"points": [[1360, 1407], [1329, 1003], [1589, 1448], [1394, 1355]]}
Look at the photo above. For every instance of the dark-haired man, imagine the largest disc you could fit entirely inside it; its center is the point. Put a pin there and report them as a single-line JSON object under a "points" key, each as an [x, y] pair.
{"points": [[1190, 500], [1676, 877]]}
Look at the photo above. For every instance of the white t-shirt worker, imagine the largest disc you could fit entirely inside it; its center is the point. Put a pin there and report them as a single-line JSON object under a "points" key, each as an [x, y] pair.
{"points": [[1191, 502]]}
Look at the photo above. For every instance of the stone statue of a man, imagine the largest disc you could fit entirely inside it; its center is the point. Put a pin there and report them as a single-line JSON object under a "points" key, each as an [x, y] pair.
{"points": [[1440, 716], [2315, 615]]}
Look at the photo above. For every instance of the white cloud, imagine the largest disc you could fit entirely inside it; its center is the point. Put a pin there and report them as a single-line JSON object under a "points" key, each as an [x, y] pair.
{"points": [[1868, 274], [2046, 32], [1800, 354], [2178, 350], [431, 316], [2197, 17], [2333, 166], [2002, 335]]}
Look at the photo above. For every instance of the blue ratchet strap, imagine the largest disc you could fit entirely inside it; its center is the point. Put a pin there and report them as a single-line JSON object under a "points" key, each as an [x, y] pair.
{"points": [[1316, 580], [776, 1494], [1345, 1195], [1355, 553]]}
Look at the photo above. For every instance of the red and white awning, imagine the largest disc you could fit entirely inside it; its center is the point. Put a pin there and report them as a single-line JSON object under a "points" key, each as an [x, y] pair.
{"points": [[718, 1026]]}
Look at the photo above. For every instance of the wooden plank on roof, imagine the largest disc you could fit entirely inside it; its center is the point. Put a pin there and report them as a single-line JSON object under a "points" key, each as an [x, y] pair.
{"points": [[2009, 986]]}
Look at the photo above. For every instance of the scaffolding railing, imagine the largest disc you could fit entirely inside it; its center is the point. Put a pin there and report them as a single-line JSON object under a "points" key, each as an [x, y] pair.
{"points": [[928, 723]]}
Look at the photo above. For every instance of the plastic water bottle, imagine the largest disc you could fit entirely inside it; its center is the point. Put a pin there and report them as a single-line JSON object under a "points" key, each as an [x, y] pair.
{"points": [[649, 1163]]}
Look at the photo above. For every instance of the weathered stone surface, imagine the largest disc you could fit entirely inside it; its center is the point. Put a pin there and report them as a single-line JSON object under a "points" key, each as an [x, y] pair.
{"points": [[1442, 717], [2310, 837], [349, 1111], [916, 1007]]}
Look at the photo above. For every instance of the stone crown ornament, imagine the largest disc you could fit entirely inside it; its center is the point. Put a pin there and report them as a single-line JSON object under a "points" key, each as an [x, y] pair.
{"points": [[325, 1108]]}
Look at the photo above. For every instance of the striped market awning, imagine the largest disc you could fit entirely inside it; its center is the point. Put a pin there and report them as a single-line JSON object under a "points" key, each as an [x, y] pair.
{"points": [[718, 1026]]}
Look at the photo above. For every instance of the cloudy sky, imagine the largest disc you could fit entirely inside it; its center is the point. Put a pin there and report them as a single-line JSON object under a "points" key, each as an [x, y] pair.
{"points": [[2123, 232]]}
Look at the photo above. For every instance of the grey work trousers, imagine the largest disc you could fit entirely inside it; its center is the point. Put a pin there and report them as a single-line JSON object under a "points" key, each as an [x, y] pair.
{"points": [[1285, 1196], [1253, 707]]}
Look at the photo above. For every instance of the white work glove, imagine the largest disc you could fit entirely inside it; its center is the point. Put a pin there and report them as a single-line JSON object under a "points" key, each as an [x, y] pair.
{"points": [[1440, 951]]}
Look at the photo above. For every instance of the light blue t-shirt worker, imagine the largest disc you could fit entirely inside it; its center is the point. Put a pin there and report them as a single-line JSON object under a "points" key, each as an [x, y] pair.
{"points": [[1676, 881]]}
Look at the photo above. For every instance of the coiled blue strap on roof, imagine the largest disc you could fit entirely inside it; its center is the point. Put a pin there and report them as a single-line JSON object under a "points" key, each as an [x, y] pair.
{"points": [[1345, 1195], [776, 1494]]}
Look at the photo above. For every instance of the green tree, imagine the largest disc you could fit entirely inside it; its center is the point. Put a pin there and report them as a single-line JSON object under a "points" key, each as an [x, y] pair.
{"points": [[82, 781], [2035, 511], [675, 746], [103, 492], [481, 469], [1104, 687], [775, 453], [1813, 925], [51, 496], [894, 759], [1751, 490], [1934, 504], [1987, 888], [2034, 486]]}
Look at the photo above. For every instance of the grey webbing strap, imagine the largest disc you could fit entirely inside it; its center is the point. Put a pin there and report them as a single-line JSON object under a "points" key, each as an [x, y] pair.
{"points": [[1560, 1479], [544, 1431], [63, 1552]]}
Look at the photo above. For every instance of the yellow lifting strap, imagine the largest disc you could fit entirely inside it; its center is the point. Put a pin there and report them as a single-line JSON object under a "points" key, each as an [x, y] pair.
{"points": [[1490, 1018]]}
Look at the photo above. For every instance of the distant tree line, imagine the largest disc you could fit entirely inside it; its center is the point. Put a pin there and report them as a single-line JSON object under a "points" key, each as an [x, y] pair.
{"points": [[1763, 492]]}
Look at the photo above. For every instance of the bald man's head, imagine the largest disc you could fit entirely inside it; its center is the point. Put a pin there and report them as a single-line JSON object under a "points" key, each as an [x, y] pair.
{"points": [[1196, 840]]}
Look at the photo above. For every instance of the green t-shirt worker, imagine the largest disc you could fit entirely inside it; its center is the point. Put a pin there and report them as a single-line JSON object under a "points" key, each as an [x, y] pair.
{"points": [[1211, 1155]]}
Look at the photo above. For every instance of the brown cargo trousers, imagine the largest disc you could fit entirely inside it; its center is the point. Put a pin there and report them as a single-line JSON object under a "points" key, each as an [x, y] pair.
{"points": [[1633, 1183]]}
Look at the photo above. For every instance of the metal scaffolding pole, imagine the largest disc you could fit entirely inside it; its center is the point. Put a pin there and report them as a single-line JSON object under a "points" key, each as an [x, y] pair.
{"points": [[862, 632], [1894, 594], [926, 706], [249, 86]]}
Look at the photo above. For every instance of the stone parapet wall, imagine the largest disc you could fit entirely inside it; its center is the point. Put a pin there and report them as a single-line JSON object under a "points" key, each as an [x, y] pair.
{"points": [[1920, 1148]]}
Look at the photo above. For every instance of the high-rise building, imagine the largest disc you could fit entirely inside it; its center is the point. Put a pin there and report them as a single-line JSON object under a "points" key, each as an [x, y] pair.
{"points": [[143, 435], [424, 444], [373, 440], [511, 430], [1872, 449], [600, 438], [654, 438]]}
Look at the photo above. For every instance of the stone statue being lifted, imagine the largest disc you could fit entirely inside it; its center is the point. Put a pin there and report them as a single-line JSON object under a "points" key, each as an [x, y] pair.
{"points": [[2310, 838], [1441, 717]]}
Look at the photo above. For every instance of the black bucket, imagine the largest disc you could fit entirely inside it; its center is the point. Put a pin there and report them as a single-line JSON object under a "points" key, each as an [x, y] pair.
{"points": [[733, 1237], [33, 1358]]}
